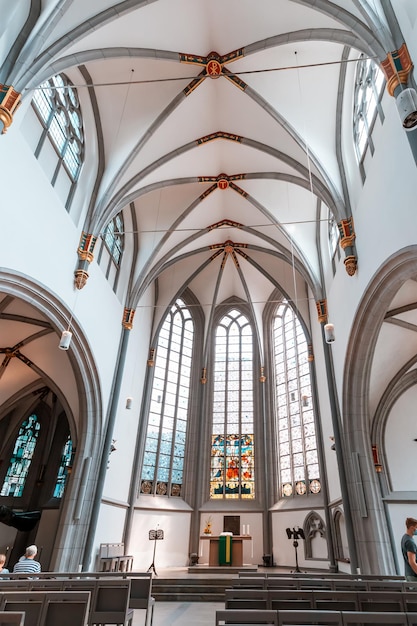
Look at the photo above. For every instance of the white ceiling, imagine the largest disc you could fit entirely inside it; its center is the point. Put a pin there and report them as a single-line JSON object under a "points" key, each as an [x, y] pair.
{"points": [[273, 124]]}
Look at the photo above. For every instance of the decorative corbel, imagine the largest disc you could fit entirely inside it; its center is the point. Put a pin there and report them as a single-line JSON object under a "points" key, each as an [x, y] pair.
{"points": [[127, 321], [397, 68], [321, 306], [9, 102], [85, 256], [347, 243]]}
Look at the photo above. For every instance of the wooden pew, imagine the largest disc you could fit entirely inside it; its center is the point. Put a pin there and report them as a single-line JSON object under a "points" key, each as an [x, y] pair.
{"points": [[239, 617], [48, 608], [7, 618], [141, 596], [246, 599], [364, 618], [306, 618]]}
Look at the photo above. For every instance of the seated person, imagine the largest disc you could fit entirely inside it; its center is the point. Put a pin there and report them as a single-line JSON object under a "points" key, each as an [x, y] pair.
{"points": [[3, 570], [27, 564]]}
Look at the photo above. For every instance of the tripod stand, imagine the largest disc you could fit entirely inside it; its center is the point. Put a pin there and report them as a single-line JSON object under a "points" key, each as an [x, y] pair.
{"points": [[295, 533], [154, 535], [297, 569]]}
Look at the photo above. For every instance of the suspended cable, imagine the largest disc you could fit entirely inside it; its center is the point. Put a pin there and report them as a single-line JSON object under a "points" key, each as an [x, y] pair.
{"points": [[188, 78]]}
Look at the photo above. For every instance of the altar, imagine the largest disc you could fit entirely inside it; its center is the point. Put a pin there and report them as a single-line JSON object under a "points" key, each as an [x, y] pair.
{"points": [[237, 549]]}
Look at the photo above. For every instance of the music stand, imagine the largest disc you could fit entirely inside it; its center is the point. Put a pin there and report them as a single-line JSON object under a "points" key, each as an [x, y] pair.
{"points": [[295, 533], [154, 535]]}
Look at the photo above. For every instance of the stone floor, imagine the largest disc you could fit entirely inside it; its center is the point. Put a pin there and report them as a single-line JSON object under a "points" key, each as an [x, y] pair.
{"points": [[181, 614], [185, 613]]}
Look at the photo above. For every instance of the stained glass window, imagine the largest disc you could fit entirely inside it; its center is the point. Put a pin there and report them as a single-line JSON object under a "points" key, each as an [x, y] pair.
{"points": [[162, 470], [297, 446], [64, 466], [232, 444], [24, 448]]}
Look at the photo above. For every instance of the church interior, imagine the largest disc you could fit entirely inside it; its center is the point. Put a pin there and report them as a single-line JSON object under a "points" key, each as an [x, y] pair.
{"points": [[208, 281]]}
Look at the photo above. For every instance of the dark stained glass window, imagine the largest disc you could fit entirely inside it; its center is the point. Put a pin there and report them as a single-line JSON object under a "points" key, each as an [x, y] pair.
{"points": [[24, 448], [64, 466]]}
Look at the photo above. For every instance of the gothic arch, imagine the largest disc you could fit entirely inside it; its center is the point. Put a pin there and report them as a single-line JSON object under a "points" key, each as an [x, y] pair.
{"points": [[88, 428], [366, 504]]}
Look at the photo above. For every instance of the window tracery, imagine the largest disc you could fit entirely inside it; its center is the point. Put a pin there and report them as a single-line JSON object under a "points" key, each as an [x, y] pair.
{"points": [[58, 109], [232, 444], [163, 464], [298, 468]]}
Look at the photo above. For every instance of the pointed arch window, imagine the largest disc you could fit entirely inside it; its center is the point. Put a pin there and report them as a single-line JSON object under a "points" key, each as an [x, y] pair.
{"points": [[111, 250], [163, 464], [333, 239], [64, 469], [297, 445], [232, 446], [58, 109], [24, 449], [369, 85]]}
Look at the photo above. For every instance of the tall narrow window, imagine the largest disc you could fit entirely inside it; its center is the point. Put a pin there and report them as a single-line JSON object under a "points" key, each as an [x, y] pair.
{"points": [[297, 457], [24, 449], [111, 250], [333, 238], [232, 445], [58, 110], [63, 470], [369, 83], [163, 465]]}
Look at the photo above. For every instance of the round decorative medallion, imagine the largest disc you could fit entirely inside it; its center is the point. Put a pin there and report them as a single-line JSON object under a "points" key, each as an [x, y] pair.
{"points": [[222, 184], [213, 68], [287, 489], [161, 489], [146, 486], [175, 490], [300, 488], [315, 486]]}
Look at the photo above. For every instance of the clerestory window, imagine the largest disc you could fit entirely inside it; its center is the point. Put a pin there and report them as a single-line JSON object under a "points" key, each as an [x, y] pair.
{"points": [[111, 250], [369, 84], [58, 109]]}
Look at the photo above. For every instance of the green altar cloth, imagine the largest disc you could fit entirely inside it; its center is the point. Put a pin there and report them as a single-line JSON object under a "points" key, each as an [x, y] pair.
{"points": [[225, 550]]}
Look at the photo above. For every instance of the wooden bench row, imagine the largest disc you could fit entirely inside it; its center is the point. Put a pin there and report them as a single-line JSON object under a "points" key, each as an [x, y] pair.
{"points": [[316, 575], [307, 618], [140, 585], [53, 608], [118, 594], [324, 583], [12, 619], [288, 599]]}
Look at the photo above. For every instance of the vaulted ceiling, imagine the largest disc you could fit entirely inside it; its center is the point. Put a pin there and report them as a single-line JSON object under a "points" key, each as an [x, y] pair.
{"points": [[217, 126]]}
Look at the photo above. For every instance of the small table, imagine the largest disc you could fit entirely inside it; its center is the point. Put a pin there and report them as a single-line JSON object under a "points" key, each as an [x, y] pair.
{"points": [[237, 549]]}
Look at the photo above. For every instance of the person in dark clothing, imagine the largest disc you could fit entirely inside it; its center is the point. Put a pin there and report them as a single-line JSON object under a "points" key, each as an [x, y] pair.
{"points": [[409, 549]]}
